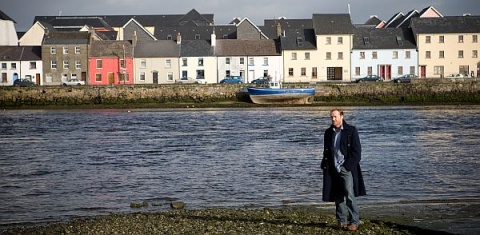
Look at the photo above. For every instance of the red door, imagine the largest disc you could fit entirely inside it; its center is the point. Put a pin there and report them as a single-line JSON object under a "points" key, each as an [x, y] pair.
{"points": [[423, 70]]}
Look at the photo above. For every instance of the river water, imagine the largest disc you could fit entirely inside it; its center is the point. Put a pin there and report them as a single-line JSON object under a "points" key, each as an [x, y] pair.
{"points": [[58, 164]]}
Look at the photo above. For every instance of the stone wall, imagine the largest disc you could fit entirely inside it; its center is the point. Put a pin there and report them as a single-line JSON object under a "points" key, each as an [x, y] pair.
{"points": [[432, 91]]}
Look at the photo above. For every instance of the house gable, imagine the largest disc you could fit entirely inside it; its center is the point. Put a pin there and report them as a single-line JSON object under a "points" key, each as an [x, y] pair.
{"points": [[131, 27], [247, 30]]}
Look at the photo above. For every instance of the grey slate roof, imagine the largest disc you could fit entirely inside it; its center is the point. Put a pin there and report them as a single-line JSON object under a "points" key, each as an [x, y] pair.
{"points": [[20, 53], [195, 48], [161, 48], [269, 27], [4, 16], [190, 31], [229, 47], [385, 38], [332, 24], [63, 38], [290, 40], [446, 24], [110, 49]]}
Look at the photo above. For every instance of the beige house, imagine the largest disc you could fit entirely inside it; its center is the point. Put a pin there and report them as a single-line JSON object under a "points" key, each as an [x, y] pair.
{"points": [[156, 62], [334, 35], [447, 45]]}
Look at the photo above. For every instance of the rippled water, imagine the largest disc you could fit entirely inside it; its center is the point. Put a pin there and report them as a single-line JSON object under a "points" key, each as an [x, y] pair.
{"points": [[59, 164]]}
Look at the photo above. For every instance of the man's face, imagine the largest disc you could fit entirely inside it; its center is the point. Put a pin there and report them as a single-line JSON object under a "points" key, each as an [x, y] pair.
{"points": [[337, 119]]}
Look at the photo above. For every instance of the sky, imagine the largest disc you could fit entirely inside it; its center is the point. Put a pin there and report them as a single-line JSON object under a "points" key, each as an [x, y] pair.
{"points": [[224, 11]]}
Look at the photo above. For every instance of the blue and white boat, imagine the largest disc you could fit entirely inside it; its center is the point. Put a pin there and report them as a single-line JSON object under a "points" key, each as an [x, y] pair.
{"points": [[274, 93]]}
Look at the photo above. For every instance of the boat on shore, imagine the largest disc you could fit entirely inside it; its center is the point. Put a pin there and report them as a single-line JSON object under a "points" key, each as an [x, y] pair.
{"points": [[274, 93]]}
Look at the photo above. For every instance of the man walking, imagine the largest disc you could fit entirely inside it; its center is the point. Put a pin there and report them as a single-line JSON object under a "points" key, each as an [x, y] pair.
{"points": [[342, 176]]}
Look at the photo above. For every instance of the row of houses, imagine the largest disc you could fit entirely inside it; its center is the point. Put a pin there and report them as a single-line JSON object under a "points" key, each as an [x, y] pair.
{"points": [[158, 49]]}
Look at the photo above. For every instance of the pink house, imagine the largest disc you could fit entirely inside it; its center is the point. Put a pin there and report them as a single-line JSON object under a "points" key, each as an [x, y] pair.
{"points": [[110, 63]]}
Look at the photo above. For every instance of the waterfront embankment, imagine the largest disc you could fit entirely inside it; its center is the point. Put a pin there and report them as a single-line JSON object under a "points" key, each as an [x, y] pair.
{"points": [[222, 95]]}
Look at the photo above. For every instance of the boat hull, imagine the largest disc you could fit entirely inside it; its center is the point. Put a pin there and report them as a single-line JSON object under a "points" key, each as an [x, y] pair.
{"points": [[260, 95]]}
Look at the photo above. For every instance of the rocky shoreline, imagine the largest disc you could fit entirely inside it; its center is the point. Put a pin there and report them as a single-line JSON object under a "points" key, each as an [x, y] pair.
{"points": [[422, 217]]}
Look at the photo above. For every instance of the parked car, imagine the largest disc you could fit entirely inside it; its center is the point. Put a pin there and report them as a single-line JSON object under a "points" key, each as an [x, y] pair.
{"points": [[456, 75], [369, 78], [261, 80], [73, 82], [407, 78], [232, 80], [189, 80], [23, 82]]}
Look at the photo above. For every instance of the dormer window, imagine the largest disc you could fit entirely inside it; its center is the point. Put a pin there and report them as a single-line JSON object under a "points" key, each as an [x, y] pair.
{"points": [[169, 37], [197, 36], [399, 41], [366, 40], [299, 41]]}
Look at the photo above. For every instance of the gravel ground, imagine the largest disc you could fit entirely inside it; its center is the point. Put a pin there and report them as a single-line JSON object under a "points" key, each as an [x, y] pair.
{"points": [[425, 217]]}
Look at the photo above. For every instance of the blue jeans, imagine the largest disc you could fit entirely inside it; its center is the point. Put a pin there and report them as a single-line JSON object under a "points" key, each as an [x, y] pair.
{"points": [[345, 201]]}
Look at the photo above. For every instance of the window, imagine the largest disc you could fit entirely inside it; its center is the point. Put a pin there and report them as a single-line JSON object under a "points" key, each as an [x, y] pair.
{"points": [[251, 61], [340, 55], [395, 54], [49, 78], [65, 50], [265, 60], [460, 38], [122, 64], [65, 64], [64, 77], [428, 39], [307, 55], [460, 54], [143, 63], [329, 40], [4, 66], [200, 61], [412, 69], [366, 40], [328, 56], [53, 64], [290, 71], [13, 65], [78, 64], [299, 41], [227, 60], [99, 64], [369, 70], [168, 63], [142, 76], [303, 71], [294, 56], [4, 77], [73, 76], [357, 71], [441, 39], [169, 37], [441, 54], [474, 38], [225, 36], [438, 70], [314, 72], [197, 36], [399, 41], [170, 76], [400, 70], [33, 65], [362, 55], [427, 54], [340, 40], [242, 60], [374, 55], [53, 50], [407, 55], [474, 54], [227, 73], [184, 62], [463, 69], [98, 77], [77, 50]]}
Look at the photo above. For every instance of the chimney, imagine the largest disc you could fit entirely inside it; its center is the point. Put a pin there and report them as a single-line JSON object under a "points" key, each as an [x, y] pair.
{"points": [[279, 29], [134, 38], [213, 38], [179, 38]]}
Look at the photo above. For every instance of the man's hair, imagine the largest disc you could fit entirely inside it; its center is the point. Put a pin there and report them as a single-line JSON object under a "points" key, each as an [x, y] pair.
{"points": [[337, 109]]}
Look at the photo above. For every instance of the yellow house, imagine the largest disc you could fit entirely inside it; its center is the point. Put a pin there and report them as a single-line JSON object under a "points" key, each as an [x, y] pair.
{"points": [[447, 45]]}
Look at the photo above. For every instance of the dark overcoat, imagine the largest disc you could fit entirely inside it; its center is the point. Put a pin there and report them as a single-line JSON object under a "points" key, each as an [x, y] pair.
{"points": [[352, 150]]}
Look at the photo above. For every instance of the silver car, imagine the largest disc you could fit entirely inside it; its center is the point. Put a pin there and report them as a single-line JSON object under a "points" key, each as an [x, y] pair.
{"points": [[189, 80]]}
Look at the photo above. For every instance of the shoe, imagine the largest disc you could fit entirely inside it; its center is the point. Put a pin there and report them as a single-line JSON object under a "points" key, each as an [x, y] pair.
{"points": [[341, 226], [352, 227]]}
